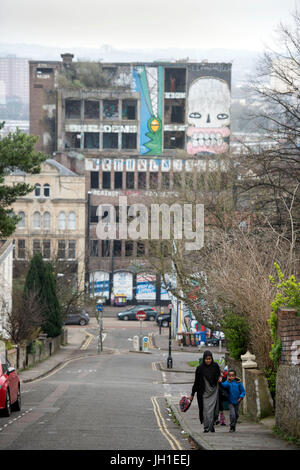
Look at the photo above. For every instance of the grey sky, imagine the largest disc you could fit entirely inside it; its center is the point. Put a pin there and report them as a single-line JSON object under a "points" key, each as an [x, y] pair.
{"points": [[151, 24]]}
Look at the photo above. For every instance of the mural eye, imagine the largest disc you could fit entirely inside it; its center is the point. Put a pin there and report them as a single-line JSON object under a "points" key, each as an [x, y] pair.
{"points": [[195, 115], [222, 116]]}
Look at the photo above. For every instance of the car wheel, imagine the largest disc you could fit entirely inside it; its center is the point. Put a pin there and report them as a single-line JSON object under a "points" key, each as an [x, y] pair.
{"points": [[126, 318], [7, 409], [82, 322], [17, 405], [151, 318]]}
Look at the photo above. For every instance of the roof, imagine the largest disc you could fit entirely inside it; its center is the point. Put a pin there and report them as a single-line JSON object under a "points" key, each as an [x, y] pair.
{"points": [[63, 171]]}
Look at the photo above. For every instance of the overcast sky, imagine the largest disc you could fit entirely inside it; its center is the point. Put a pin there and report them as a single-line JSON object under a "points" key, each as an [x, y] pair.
{"points": [[151, 24]]}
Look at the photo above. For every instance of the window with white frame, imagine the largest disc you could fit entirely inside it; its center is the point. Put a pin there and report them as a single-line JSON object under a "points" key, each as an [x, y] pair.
{"points": [[62, 221], [37, 190], [61, 252], [46, 190], [72, 249], [36, 220], [72, 221], [46, 220], [21, 223]]}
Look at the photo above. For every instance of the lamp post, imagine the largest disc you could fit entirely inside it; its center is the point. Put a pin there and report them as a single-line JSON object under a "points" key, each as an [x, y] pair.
{"points": [[170, 360]]}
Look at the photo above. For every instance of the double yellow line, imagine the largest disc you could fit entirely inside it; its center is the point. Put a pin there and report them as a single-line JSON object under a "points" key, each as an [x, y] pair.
{"points": [[163, 427]]}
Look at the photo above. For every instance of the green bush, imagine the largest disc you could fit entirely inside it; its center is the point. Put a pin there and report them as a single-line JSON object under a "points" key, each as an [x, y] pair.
{"points": [[236, 330]]}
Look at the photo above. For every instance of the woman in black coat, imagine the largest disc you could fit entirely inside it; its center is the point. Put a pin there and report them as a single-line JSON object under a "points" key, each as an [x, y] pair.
{"points": [[207, 376]]}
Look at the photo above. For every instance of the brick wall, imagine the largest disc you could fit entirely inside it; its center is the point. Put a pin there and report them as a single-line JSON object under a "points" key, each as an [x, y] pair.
{"points": [[289, 332]]}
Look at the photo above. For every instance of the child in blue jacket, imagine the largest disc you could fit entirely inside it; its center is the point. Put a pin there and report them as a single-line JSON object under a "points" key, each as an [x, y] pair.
{"points": [[236, 393]]}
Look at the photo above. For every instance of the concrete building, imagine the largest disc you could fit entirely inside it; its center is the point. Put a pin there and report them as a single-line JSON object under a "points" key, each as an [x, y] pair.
{"points": [[131, 128], [52, 217], [6, 270]]}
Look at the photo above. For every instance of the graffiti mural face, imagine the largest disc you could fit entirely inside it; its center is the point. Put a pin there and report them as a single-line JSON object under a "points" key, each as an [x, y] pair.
{"points": [[208, 116]]}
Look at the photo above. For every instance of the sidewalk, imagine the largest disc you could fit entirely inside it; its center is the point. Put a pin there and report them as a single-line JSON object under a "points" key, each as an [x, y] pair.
{"points": [[249, 434]]}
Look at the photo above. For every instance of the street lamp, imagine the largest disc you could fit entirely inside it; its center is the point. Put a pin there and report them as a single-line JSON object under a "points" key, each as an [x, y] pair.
{"points": [[170, 360]]}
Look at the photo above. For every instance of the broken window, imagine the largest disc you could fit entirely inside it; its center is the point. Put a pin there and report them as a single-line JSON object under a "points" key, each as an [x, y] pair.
{"points": [[73, 109], [140, 249], [153, 180], [94, 248], [117, 248], [105, 248], [177, 179], [165, 180], [130, 180], [91, 140], [106, 180], [175, 80], [91, 109], [43, 72], [118, 179], [141, 180], [129, 110], [72, 140], [129, 141], [128, 248], [110, 140], [174, 111], [110, 109], [93, 215], [94, 179], [174, 140]]}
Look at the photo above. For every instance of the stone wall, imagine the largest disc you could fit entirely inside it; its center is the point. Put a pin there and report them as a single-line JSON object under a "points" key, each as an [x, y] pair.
{"points": [[288, 376]]}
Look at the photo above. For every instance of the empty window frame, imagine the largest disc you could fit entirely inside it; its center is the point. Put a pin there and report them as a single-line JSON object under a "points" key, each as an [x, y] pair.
{"points": [[106, 180], [21, 249], [72, 140], [73, 109], [94, 248], [153, 179], [175, 80], [174, 140], [110, 140], [61, 252], [129, 108], [128, 248], [177, 180], [71, 249], [118, 179], [174, 111], [140, 249], [141, 180], [91, 140], [91, 109], [93, 214], [117, 248], [165, 180], [128, 140], [94, 179], [43, 72], [110, 109], [46, 249], [105, 248], [129, 180]]}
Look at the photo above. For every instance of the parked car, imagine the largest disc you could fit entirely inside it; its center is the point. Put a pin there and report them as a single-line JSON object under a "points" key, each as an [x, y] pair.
{"points": [[130, 313], [163, 319], [10, 390], [81, 318]]}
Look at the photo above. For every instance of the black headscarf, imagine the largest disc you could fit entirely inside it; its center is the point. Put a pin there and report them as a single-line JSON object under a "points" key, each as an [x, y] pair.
{"points": [[211, 373]]}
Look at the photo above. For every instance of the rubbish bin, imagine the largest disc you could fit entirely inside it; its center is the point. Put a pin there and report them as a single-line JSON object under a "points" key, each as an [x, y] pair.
{"points": [[197, 338]]}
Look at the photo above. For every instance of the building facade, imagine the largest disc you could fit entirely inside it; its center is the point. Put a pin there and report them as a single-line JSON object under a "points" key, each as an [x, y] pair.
{"points": [[52, 217], [131, 128]]}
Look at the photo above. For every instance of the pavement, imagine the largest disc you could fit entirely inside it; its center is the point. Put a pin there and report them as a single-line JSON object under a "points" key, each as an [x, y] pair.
{"points": [[249, 435]]}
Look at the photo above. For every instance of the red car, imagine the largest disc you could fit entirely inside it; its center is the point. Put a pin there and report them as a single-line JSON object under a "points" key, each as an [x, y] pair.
{"points": [[10, 391]]}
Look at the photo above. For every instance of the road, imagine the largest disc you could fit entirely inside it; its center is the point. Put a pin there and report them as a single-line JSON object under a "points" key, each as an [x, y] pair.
{"points": [[109, 401]]}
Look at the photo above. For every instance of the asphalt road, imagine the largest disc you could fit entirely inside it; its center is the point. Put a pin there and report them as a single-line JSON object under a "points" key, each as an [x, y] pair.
{"points": [[108, 401]]}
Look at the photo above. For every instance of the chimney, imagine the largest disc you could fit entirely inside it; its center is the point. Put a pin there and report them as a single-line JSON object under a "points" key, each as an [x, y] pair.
{"points": [[67, 57]]}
